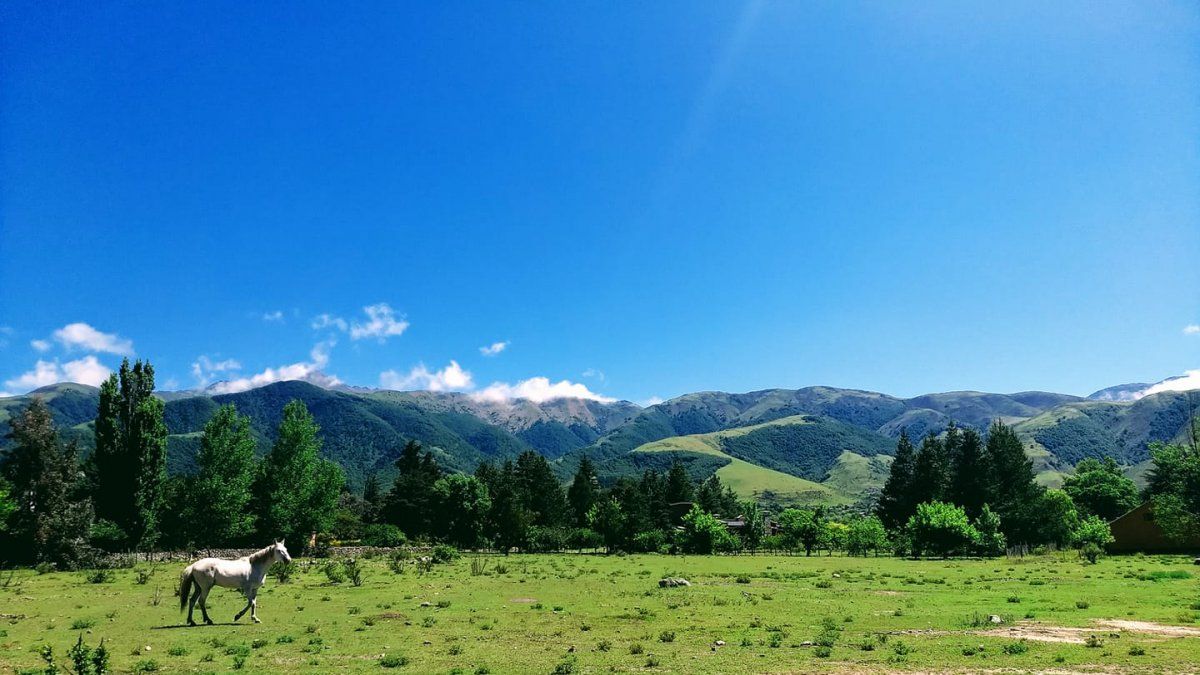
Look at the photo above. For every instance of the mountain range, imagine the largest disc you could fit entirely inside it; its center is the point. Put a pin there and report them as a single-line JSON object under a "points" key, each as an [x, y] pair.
{"points": [[815, 444]]}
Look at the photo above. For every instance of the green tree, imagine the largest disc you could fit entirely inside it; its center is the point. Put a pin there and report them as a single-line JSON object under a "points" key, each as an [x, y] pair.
{"points": [[866, 535], [298, 489], [679, 484], [931, 470], [372, 500], [509, 520], [463, 507], [540, 490], [52, 517], [584, 491], [803, 528], [1091, 536], [1174, 487], [968, 472], [991, 540], [222, 491], [1012, 492], [8, 505], [131, 453], [1057, 517], [1098, 487], [756, 525], [938, 528], [703, 533], [607, 518], [896, 503], [411, 502]]}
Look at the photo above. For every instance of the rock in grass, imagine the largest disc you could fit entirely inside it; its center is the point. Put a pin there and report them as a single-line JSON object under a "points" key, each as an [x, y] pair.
{"points": [[672, 582]]}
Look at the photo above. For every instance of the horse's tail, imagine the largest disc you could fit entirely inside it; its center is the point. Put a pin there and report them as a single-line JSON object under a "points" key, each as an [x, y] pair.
{"points": [[185, 586]]}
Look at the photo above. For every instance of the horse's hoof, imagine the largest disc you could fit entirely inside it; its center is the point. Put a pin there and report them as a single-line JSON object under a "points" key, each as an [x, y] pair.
{"points": [[191, 623], [208, 622], [256, 620]]}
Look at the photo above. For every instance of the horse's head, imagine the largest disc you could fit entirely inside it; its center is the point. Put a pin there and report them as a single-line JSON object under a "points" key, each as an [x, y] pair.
{"points": [[281, 553]]}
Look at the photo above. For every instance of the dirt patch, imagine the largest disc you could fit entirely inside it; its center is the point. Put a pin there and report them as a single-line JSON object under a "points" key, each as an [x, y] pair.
{"points": [[887, 592], [523, 600], [1038, 632], [1160, 629], [391, 615]]}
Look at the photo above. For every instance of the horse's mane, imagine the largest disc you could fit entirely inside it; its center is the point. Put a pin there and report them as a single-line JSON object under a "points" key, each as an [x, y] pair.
{"points": [[257, 556]]}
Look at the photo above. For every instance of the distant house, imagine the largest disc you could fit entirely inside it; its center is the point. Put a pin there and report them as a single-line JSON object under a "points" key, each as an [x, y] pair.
{"points": [[736, 525], [1137, 531]]}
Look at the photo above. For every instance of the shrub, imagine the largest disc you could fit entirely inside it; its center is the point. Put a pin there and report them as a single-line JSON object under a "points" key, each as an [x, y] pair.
{"points": [[100, 577], [393, 661], [142, 575], [383, 535], [444, 553], [1082, 604], [742, 579], [635, 648], [666, 636], [1091, 535], [284, 571], [822, 651], [353, 571], [565, 667], [1137, 651], [146, 666], [397, 561], [941, 529], [704, 534], [82, 624], [651, 541], [334, 572], [1014, 648]]}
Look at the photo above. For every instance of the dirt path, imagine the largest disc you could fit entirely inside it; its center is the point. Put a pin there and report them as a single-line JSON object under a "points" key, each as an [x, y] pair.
{"points": [[1076, 635]]}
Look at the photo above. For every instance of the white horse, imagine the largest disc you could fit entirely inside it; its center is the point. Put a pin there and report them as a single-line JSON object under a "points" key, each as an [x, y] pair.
{"points": [[245, 574]]}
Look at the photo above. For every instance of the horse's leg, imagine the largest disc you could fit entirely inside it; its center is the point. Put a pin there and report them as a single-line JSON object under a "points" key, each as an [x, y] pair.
{"points": [[195, 588], [204, 601], [254, 605], [249, 601]]}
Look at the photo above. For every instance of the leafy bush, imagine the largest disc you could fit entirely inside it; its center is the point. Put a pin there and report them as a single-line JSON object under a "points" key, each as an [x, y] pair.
{"points": [[384, 535], [353, 571], [444, 553], [334, 572], [704, 534], [651, 541], [99, 577], [393, 661], [941, 529], [1091, 535]]}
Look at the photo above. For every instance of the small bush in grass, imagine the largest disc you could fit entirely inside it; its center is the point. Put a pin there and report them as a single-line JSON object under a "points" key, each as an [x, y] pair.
{"points": [[239, 662], [100, 577], [177, 651], [1137, 651], [207, 658], [1014, 648], [334, 572], [44, 568], [284, 640], [666, 636], [284, 571], [1093, 642], [635, 648], [652, 661], [455, 650], [353, 571], [146, 666], [483, 670], [82, 624], [444, 553], [868, 645], [1013, 599], [443, 604], [237, 650], [901, 648], [822, 652], [743, 579], [604, 645], [565, 667], [142, 575], [824, 583], [393, 661], [258, 643], [1082, 604]]}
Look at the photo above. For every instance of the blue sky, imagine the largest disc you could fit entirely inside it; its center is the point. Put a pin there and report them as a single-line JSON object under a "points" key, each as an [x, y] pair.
{"points": [[637, 200]]}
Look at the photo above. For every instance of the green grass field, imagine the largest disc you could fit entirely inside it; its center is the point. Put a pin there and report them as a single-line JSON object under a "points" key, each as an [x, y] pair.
{"points": [[591, 613], [748, 480]]}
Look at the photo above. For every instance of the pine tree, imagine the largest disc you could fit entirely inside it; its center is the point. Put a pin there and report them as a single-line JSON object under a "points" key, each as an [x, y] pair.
{"points": [[298, 489], [540, 490], [221, 492], [53, 517], [968, 473], [372, 498], [931, 471], [679, 484], [131, 453], [1012, 492], [896, 505], [584, 491], [411, 502]]}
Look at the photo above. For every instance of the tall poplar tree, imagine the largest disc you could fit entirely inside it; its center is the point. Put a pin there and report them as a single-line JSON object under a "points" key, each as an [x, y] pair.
{"points": [[131, 453], [968, 474], [221, 492], [297, 489], [931, 472], [1013, 494]]}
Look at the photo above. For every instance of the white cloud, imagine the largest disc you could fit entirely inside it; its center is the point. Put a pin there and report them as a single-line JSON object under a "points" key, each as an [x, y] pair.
{"points": [[494, 348], [538, 390], [82, 336], [381, 324], [322, 321], [308, 371], [40, 345], [653, 400], [1188, 381], [596, 373], [204, 369], [1192, 329], [277, 315], [450, 378], [87, 370]]}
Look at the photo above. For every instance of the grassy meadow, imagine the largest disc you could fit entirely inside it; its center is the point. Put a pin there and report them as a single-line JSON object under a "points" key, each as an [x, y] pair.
{"points": [[592, 613]]}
